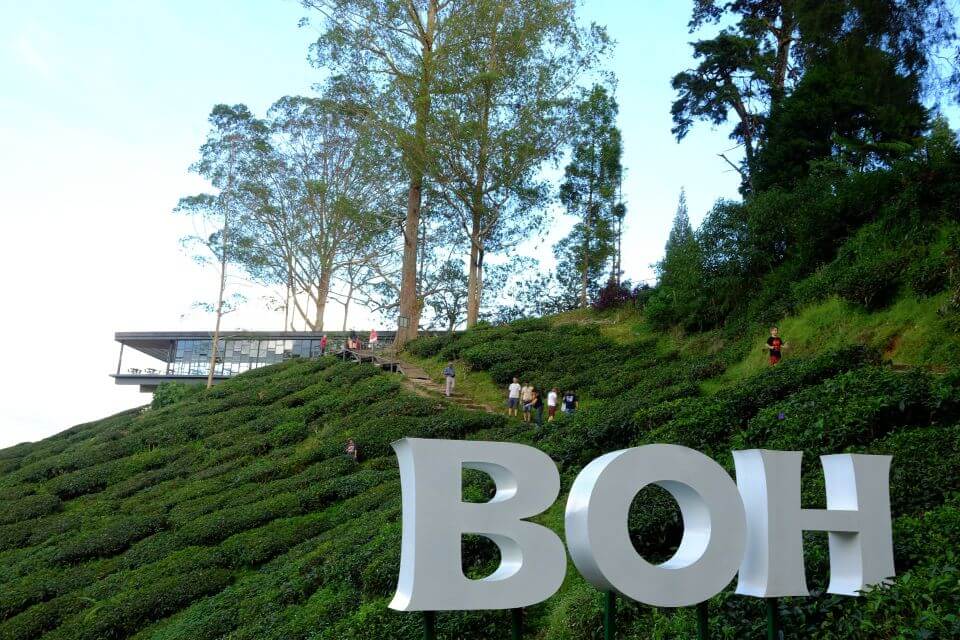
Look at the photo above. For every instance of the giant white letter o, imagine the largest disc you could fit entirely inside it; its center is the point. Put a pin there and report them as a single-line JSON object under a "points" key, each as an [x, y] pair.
{"points": [[714, 522]]}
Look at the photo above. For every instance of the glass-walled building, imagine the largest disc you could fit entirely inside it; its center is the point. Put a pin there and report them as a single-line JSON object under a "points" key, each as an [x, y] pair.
{"points": [[192, 357], [149, 358]]}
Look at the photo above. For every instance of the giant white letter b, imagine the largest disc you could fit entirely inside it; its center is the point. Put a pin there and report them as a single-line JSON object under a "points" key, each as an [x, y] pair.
{"points": [[435, 518], [857, 518]]}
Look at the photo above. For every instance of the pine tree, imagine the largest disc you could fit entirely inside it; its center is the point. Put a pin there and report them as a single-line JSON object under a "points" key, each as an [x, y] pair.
{"points": [[680, 275]]}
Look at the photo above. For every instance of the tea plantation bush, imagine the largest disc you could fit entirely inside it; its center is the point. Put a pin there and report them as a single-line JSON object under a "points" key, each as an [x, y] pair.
{"points": [[234, 513], [834, 401]]}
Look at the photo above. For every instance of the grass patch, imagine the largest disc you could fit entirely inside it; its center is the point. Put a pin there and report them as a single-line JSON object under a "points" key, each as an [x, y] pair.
{"points": [[477, 385], [911, 332]]}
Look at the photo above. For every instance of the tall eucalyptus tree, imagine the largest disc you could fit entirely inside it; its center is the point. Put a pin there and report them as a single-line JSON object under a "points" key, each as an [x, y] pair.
{"points": [[394, 51], [501, 115]]}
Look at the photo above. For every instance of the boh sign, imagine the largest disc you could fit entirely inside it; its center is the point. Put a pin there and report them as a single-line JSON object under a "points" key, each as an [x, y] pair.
{"points": [[754, 527]]}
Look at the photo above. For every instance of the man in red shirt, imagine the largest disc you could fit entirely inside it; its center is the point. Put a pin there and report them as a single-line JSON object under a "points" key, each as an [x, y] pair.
{"points": [[775, 345]]}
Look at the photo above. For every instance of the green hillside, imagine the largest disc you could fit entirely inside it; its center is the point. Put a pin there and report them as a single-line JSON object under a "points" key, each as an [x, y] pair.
{"points": [[234, 514]]}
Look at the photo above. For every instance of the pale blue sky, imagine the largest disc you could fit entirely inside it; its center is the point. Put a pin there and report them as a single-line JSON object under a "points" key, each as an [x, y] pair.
{"points": [[104, 105]]}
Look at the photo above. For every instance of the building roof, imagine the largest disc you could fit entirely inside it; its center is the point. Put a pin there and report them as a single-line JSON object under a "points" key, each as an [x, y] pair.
{"points": [[160, 344]]}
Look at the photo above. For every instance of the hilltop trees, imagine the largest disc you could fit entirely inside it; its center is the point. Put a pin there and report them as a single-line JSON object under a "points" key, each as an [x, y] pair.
{"points": [[307, 198], [503, 113], [395, 52], [473, 95], [589, 192], [680, 275], [317, 204], [749, 71], [424, 150], [222, 159]]}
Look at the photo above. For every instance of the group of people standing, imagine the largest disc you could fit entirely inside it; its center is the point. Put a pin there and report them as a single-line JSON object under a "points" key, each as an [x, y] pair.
{"points": [[525, 397], [531, 400], [353, 342]]}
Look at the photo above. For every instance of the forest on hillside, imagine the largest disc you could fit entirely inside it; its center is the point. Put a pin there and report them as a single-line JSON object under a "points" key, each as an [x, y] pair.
{"points": [[409, 182]]}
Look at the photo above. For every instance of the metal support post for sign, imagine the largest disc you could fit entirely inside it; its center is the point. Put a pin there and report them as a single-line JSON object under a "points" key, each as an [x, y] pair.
{"points": [[703, 621], [516, 624], [609, 615], [429, 625], [773, 619]]}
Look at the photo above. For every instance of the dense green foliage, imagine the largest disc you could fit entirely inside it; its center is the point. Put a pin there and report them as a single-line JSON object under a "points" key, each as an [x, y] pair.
{"points": [[864, 236], [807, 81], [229, 511], [234, 513], [646, 390]]}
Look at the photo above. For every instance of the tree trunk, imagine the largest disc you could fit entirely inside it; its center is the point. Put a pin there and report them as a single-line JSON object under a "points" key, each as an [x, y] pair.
{"points": [[346, 306], [225, 239], [416, 160], [474, 280], [323, 291], [587, 231], [215, 342], [619, 265], [408, 283], [477, 208], [287, 309]]}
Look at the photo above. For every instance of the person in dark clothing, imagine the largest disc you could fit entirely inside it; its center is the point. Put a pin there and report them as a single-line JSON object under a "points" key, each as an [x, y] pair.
{"points": [[538, 407], [570, 403], [450, 377], [775, 345]]}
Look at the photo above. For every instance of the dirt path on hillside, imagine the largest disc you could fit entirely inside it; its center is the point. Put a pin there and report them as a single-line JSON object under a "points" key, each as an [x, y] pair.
{"points": [[419, 382], [415, 379]]}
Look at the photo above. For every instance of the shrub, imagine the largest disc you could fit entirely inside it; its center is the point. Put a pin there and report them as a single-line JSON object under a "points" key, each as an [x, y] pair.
{"points": [[142, 602], [31, 532], [288, 433], [42, 618], [224, 523], [925, 468], [615, 296], [430, 346], [108, 539], [852, 409], [27, 507], [170, 393], [928, 275]]}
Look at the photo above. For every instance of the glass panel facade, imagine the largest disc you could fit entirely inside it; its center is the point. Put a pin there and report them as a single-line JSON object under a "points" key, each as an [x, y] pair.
{"points": [[236, 356], [189, 355]]}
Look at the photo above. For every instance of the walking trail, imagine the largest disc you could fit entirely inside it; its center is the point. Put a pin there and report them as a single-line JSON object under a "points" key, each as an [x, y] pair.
{"points": [[415, 379]]}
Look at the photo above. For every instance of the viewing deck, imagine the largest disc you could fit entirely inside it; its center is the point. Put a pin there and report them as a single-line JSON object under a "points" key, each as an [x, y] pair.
{"points": [[164, 356]]}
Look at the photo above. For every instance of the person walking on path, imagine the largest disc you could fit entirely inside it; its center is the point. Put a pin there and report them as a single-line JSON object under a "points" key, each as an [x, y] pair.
{"points": [[323, 345], [526, 398], [513, 397], [552, 398], [774, 345], [373, 338], [450, 374], [570, 403]]}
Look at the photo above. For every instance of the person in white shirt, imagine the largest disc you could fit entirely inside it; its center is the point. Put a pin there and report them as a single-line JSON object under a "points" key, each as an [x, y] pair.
{"points": [[513, 397], [526, 398], [552, 404]]}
